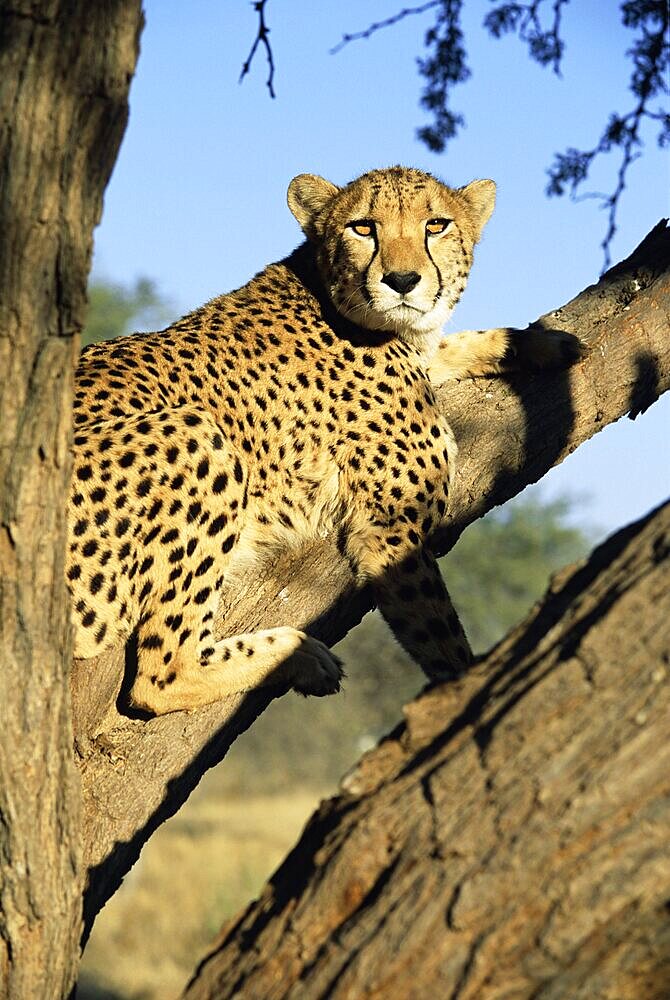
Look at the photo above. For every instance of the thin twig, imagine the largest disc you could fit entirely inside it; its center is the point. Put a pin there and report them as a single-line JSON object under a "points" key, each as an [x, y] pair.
{"points": [[378, 25], [261, 36]]}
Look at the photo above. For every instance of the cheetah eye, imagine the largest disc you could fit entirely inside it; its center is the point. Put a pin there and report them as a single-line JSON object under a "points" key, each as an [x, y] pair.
{"points": [[363, 227], [436, 226]]}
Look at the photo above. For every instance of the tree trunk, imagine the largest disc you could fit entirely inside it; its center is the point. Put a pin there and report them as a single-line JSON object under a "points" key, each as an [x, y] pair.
{"points": [[510, 838], [65, 69], [137, 772]]}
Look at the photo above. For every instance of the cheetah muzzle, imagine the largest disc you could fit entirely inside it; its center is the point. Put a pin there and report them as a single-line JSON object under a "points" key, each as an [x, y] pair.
{"points": [[299, 404]]}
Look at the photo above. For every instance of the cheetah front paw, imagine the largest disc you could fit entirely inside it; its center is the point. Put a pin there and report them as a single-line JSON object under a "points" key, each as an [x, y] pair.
{"points": [[537, 347], [315, 669]]}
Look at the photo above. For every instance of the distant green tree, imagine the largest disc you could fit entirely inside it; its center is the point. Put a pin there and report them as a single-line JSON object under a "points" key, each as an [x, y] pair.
{"points": [[501, 564], [115, 309]]}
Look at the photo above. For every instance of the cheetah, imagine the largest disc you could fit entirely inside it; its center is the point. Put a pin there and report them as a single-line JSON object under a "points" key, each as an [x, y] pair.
{"points": [[301, 404]]}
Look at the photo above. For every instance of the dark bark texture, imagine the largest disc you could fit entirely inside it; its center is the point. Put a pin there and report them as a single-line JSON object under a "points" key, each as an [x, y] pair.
{"points": [[137, 772], [510, 838], [65, 69]]}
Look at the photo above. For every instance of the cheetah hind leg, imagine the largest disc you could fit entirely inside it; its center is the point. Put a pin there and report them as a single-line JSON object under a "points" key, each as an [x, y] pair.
{"points": [[279, 656]]}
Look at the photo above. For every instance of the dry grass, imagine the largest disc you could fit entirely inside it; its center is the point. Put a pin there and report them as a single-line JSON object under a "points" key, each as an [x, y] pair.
{"points": [[199, 869]]}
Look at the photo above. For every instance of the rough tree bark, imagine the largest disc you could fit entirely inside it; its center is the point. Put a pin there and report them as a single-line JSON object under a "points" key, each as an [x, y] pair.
{"points": [[510, 838], [65, 69], [137, 772]]}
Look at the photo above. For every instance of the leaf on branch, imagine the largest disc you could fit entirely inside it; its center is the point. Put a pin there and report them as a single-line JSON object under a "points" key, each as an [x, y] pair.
{"points": [[503, 19], [569, 169], [445, 67], [545, 45], [664, 134]]}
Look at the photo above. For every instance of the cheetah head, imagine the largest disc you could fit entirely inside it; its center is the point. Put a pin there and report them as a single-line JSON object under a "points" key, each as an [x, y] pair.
{"points": [[394, 247]]}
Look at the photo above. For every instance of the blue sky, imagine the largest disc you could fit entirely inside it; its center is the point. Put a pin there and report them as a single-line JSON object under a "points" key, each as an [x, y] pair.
{"points": [[197, 200]]}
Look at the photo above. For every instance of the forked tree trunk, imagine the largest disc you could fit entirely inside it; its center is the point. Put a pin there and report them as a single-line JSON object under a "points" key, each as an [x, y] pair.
{"points": [[65, 70], [510, 838]]}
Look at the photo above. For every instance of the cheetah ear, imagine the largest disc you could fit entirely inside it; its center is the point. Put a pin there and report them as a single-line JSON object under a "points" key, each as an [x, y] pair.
{"points": [[480, 197], [307, 195]]}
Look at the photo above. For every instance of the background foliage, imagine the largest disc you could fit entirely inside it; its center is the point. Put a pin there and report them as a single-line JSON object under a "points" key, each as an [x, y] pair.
{"points": [[115, 309]]}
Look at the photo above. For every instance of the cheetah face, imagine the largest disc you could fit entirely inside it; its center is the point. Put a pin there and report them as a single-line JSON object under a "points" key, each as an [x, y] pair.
{"points": [[394, 248]]}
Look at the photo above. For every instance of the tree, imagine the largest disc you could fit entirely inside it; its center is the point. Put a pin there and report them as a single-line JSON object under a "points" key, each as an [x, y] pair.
{"points": [[501, 564], [63, 110]]}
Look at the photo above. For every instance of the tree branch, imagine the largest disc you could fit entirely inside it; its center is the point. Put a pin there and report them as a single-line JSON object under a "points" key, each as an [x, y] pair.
{"points": [[137, 772], [388, 22], [545, 45], [510, 837], [261, 38], [650, 55]]}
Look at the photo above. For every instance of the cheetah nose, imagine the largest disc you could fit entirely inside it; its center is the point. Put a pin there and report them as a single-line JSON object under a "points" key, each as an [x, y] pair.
{"points": [[401, 281]]}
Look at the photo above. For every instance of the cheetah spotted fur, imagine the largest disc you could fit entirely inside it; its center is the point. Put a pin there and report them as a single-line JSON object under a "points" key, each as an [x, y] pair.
{"points": [[300, 404]]}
